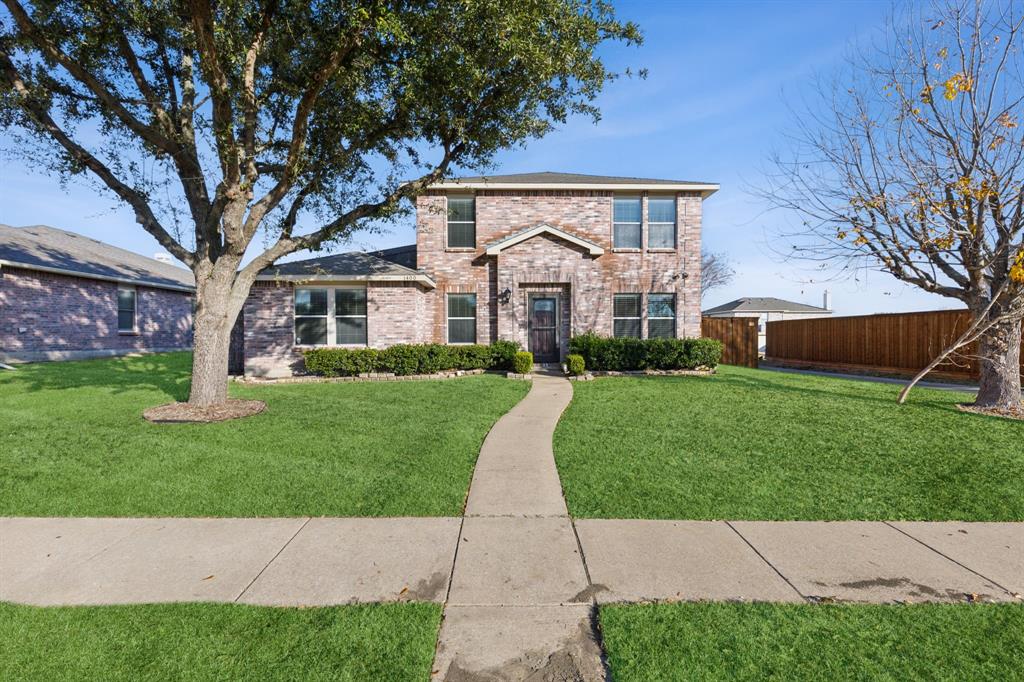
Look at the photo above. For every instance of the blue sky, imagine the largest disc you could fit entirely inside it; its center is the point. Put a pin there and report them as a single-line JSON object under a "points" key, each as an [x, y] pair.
{"points": [[713, 107]]}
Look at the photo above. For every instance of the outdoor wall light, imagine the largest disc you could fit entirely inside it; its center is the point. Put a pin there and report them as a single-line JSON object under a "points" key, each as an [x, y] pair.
{"points": [[505, 296]]}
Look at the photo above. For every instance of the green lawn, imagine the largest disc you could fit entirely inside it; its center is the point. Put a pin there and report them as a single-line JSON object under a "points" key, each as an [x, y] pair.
{"points": [[754, 444], [73, 443], [218, 642], [730, 641]]}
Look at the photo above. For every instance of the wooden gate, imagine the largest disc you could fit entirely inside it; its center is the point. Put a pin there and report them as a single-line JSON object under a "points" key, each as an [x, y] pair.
{"points": [[738, 336]]}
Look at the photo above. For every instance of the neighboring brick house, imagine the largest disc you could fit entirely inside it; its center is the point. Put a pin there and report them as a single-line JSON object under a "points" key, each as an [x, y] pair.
{"points": [[535, 258], [64, 296]]}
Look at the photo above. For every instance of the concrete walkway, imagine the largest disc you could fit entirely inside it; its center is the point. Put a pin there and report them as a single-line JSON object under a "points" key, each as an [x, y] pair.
{"points": [[518, 578]]}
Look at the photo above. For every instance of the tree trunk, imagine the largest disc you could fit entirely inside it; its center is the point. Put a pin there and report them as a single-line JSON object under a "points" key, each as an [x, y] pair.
{"points": [[1000, 367], [218, 303]]}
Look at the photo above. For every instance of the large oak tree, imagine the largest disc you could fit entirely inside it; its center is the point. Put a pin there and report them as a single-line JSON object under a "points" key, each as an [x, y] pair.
{"points": [[912, 162], [221, 122]]}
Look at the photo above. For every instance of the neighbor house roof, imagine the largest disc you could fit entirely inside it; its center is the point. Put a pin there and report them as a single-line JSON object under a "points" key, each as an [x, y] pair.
{"points": [[550, 180], [47, 249], [354, 266], [494, 248], [765, 304]]}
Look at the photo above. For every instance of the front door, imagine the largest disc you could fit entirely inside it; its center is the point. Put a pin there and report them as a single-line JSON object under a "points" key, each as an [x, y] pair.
{"points": [[544, 328]]}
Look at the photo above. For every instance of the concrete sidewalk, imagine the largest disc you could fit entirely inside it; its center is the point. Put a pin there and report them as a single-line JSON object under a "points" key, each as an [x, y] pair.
{"points": [[503, 561]]}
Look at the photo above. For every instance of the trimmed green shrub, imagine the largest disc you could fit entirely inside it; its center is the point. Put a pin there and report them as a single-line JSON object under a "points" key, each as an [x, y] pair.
{"points": [[705, 352], [606, 354], [405, 359], [577, 365], [523, 363]]}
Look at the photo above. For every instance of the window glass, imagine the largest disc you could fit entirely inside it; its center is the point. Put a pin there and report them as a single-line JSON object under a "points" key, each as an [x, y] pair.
{"points": [[311, 317], [661, 316], [311, 301], [661, 223], [461, 318], [461, 222], [626, 314], [126, 310], [350, 316], [626, 231]]}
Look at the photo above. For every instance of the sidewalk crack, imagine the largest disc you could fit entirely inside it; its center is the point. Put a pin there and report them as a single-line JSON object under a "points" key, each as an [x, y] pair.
{"points": [[946, 556], [272, 559], [765, 559]]}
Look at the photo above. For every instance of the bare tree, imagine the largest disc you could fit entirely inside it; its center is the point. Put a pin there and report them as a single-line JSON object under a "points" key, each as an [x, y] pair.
{"points": [[216, 122], [912, 162], [715, 271]]}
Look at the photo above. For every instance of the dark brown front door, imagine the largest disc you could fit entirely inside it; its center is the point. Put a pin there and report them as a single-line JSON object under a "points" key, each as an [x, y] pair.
{"points": [[543, 329]]}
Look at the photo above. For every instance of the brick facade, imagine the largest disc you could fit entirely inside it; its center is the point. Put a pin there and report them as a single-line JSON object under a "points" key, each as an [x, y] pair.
{"points": [[51, 316], [584, 284], [591, 281]]}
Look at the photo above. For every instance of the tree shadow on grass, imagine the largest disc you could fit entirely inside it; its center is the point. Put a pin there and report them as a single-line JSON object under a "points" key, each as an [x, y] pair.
{"points": [[167, 373], [864, 393]]}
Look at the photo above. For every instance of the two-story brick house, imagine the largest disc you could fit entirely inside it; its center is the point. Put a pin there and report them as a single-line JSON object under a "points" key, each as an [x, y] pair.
{"points": [[534, 258]]}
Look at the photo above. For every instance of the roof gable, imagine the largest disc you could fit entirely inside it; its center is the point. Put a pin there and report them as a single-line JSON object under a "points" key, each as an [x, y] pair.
{"points": [[494, 248]]}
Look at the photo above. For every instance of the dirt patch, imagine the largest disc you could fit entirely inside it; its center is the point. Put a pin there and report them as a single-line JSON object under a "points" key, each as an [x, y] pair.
{"points": [[183, 413], [576, 659], [588, 593], [1011, 413], [428, 589]]}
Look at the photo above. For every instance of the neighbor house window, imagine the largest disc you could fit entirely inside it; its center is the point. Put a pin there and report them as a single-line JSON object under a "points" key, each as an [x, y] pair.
{"points": [[311, 317], [126, 309], [626, 313], [627, 219], [661, 316], [461, 222], [350, 315], [461, 318], [661, 223]]}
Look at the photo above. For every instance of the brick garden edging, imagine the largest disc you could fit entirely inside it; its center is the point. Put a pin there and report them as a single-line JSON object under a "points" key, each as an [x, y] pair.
{"points": [[651, 373], [368, 376]]}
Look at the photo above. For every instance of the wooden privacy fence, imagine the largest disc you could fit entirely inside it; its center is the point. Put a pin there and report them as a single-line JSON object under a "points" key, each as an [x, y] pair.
{"points": [[738, 336], [901, 343]]}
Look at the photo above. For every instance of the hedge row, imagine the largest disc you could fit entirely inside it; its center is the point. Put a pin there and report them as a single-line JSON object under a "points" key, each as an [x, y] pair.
{"points": [[405, 359], [604, 354]]}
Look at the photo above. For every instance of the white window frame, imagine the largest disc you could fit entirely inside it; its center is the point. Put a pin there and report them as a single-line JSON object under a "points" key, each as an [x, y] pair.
{"points": [[135, 309], [332, 307], [639, 225], [639, 318], [674, 318], [332, 328], [448, 319], [449, 221], [674, 224]]}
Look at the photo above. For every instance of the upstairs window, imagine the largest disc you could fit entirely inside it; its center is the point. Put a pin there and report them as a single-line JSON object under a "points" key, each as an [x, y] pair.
{"points": [[627, 219], [661, 316], [661, 223], [126, 309], [350, 316], [626, 314], [311, 317], [461, 222], [461, 318]]}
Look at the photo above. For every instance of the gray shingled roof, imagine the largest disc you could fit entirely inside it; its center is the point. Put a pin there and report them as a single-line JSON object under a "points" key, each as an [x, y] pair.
{"points": [[403, 255], [354, 265], [764, 304], [47, 248], [571, 179]]}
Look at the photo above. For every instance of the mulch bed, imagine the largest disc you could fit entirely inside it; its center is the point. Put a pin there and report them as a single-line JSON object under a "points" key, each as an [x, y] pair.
{"points": [[183, 413], [1011, 413]]}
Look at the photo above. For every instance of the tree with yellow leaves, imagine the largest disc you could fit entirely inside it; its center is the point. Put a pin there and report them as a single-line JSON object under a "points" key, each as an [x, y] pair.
{"points": [[913, 163]]}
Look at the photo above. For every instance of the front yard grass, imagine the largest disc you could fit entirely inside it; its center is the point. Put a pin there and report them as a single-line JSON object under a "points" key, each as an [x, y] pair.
{"points": [[217, 642], [755, 444], [732, 641], [73, 443]]}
